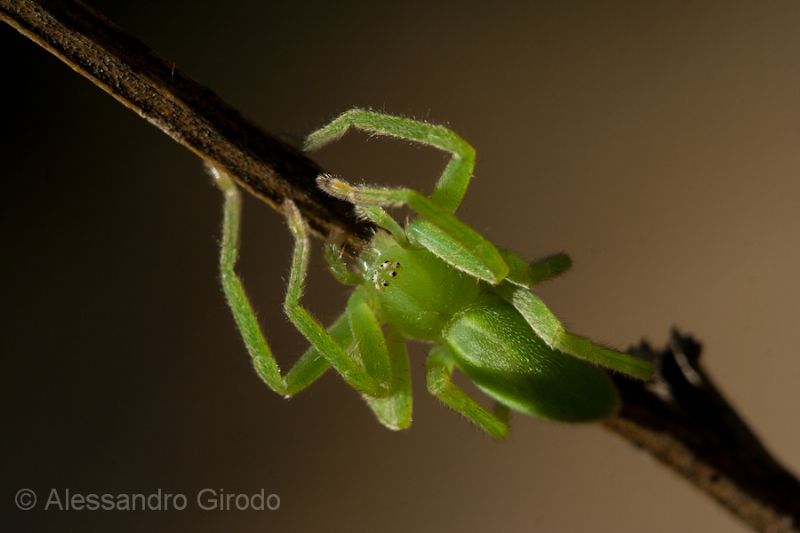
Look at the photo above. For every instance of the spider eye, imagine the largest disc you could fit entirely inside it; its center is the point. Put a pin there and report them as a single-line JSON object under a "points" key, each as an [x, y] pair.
{"points": [[378, 278]]}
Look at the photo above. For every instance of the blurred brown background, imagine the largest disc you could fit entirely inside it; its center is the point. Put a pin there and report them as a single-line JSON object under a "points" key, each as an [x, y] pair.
{"points": [[658, 144]]}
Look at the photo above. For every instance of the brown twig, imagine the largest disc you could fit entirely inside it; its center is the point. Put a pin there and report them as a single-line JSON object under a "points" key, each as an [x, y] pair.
{"points": [[191, 114], [680, 418], [683, 420]]}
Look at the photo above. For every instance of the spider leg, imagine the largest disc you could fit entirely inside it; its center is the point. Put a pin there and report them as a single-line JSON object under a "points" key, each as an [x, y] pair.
{"points": [[438, 230], [394, 411], [452, 184], [382, 219], [527, 274], [545, 324], [368, 338], [385, 358], [327, 346], [312, 365], [440, 370], [334, 257], [548, 267]]}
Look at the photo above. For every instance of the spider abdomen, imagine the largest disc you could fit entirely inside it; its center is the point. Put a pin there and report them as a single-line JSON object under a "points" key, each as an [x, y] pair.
{"points": [[497, 349]]}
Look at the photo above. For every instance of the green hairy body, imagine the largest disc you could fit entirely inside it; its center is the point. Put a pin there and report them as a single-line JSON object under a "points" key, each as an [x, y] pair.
{"points": [[489, 340], [437, 281]]}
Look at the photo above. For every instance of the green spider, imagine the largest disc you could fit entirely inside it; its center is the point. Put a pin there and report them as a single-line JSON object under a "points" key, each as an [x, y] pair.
{"points": [[438, 281]]}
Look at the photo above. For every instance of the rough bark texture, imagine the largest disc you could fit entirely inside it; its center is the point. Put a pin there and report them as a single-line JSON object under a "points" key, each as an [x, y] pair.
{"points": [[186, 111], [683, 420], [680, 417]]}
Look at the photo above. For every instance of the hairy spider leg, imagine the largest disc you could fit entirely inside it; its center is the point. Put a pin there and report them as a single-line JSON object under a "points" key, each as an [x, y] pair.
{"points": [[382, 219], [475, 255], [548, 267], [371, 378], [334, 257], [465, 249], [451, 186], [439, 377], [449, 189], [328, 345], [525, 274], [394, 411], [438, 231], [545, 324]]}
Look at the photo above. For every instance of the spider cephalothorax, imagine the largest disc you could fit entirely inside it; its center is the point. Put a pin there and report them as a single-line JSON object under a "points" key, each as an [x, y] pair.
{"points": [[435, 280]]}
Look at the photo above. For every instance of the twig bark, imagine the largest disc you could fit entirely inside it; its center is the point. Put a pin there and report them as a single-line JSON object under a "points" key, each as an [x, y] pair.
{"points": [[191, 114], [680, 417], [683, 420]]}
